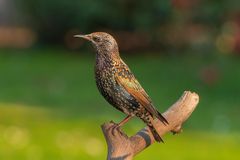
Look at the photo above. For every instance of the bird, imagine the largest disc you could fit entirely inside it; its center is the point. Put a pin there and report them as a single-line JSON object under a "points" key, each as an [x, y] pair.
{"points": [[118, 85]]}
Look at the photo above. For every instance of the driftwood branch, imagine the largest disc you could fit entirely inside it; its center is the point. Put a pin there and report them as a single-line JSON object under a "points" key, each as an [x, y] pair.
{"points": [[122, 147]]}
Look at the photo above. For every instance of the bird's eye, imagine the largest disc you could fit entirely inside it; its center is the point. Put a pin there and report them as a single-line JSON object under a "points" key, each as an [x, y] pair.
{"points": [[96, 39]]}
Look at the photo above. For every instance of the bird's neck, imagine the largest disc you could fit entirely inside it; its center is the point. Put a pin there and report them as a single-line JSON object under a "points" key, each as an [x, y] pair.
{"points": [[107, 59]]}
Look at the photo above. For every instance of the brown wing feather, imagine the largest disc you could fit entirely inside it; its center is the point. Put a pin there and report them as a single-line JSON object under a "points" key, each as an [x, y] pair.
{"points": [[132, 86]]}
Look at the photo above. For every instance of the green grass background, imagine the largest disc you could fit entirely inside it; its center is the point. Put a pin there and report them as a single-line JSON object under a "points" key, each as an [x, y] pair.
{"points": [[50, 107]]}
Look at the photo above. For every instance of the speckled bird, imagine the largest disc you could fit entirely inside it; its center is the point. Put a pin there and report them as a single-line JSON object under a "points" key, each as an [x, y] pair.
{"points": [[118, 85]]}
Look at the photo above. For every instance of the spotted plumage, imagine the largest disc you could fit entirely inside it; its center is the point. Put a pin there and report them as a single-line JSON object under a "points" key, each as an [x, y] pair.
{"points": [[118, 85]]}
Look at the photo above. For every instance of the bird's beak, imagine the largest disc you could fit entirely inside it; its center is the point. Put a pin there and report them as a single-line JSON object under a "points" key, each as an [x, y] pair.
{"points": [[87, 37]]}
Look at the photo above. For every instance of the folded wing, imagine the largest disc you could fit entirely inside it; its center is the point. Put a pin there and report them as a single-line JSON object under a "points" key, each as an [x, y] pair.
{"points": [[133, 87]]}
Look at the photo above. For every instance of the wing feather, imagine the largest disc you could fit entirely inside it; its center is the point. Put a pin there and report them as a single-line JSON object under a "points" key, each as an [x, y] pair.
{"points": [[133, 87]]}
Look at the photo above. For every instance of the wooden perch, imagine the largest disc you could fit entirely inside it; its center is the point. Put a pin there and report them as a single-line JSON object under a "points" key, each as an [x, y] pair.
{"points": [[122, 147]]}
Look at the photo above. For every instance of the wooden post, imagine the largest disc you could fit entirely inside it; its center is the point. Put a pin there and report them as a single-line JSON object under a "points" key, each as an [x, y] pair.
{"points": [[122, 147]]}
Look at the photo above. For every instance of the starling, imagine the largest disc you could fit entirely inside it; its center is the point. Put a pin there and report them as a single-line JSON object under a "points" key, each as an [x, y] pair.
{"points": [[117, 84]]}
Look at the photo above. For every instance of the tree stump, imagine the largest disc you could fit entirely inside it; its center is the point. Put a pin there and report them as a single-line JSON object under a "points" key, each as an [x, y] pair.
{"points": [[122, 147]]}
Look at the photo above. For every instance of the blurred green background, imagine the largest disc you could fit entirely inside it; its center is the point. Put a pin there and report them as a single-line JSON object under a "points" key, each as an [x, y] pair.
{"points": [[50, 108]]}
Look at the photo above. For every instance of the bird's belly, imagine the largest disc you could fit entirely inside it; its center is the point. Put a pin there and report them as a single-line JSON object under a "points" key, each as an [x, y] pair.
{"points": [[107, 86]]}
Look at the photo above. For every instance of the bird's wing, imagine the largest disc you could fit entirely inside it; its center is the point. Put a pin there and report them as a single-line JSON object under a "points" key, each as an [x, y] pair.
{"points": [[133, 87]]}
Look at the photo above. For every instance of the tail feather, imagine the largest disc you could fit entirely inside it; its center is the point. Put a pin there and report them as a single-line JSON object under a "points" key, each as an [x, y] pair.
{"points": [[158, 115], [162, 119], [148, 118], [152, 127], [156, 136]]}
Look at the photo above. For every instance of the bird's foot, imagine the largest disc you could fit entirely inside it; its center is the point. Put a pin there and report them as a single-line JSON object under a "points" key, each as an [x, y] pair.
{"points": [[116, 129]]}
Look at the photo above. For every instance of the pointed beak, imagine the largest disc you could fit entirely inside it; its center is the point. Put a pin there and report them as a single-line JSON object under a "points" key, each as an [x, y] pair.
{"points": [[87, 37]]}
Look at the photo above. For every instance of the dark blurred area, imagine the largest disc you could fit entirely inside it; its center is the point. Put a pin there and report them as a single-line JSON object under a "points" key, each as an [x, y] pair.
{"points": [[175, 25]]}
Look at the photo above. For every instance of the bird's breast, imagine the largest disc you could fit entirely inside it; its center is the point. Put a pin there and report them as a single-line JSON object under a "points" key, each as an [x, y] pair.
{"points": [[105, 78], [106, 84]]}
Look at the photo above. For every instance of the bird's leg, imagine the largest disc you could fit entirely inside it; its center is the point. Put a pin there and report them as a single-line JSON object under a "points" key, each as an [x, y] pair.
{"points": [[118, 125], [125, 120]]}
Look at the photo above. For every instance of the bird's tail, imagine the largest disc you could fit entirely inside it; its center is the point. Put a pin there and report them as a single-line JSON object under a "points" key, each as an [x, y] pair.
{"points": [[156, 136], [152, 127], [161, 118]]}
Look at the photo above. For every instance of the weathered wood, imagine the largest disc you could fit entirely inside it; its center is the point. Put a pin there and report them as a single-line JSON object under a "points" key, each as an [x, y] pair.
{"points": [[122, 147]]}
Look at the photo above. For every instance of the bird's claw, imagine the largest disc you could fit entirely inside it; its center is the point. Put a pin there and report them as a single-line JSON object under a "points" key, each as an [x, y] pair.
{"points": [[115, 129]]}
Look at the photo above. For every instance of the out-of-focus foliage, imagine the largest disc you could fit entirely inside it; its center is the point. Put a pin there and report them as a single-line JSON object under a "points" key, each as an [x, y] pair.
{"points": [[175, 24], [53, 18]]}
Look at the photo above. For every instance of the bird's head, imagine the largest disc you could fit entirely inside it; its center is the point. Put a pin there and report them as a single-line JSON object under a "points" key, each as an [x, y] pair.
{"points": [[101, 41]]}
